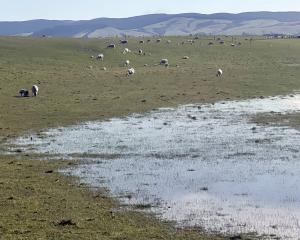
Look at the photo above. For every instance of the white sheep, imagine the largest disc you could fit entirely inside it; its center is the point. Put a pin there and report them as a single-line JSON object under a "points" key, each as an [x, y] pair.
{"points": [[219, 73], [24, 93], [164, 61], [111, 46], [140, 51], [35, 90], [127, 62], [130, 71], [126, 50], [100, 56]]}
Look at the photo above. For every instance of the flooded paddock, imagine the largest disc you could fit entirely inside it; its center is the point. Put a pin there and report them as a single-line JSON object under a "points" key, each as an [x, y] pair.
{"points": [[198, 165]]}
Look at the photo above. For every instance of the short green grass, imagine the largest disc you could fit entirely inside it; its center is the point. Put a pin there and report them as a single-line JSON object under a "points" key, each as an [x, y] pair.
{"points": [[71, 92], [74, 88]]}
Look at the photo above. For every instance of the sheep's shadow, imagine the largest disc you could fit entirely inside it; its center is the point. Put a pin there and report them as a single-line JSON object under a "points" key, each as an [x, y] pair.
{"points": [[18, 96]]}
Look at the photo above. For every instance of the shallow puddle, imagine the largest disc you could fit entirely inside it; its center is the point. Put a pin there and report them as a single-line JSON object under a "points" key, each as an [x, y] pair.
{"points": [[203, 165]]}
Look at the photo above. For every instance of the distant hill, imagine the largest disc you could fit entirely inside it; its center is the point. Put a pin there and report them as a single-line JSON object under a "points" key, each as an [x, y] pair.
{"points": [[254, 23]]}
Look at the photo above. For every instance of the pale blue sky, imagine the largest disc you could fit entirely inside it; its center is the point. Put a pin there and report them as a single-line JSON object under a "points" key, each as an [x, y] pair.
{"points": [[88, 9]]}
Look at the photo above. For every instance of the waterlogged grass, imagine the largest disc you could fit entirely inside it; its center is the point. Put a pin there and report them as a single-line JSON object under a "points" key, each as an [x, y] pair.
{"points": [[277, 119], [74, 88], [38, 203]]}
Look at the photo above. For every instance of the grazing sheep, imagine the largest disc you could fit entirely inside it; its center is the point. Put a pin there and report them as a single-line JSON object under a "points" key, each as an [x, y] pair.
{"points": [[210, 43], [104, 68], [158, 40], [100, 56], [123, 41], [92, 57], [186, 57], [219, 73], [111, 46], [142, 41], [164, 61], [126, 50], [130, 71], [140, 51], [35, 90], [127, 62], [222, 42], [148, 40], [24, 93], [169, 41]]}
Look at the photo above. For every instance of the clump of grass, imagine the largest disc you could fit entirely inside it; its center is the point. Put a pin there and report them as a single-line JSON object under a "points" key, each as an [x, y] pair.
{"points": [[143, 206]]}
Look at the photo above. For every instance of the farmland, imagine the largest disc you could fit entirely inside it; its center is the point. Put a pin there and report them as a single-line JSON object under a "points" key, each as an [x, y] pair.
{"points": [[74, 88]]}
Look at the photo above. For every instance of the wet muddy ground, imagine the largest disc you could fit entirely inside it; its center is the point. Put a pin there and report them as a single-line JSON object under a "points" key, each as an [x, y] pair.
{"points": [[199, 165]]}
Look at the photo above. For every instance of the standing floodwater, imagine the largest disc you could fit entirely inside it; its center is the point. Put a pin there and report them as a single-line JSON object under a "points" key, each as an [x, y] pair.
{"points": [[204, 165]]}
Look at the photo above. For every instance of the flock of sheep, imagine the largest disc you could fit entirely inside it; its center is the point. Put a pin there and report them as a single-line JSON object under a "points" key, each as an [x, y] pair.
{"points": [[130, 71], [164, 61]]}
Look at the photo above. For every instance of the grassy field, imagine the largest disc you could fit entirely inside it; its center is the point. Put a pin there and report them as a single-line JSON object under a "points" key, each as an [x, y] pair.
{"points": [[75, 88]]}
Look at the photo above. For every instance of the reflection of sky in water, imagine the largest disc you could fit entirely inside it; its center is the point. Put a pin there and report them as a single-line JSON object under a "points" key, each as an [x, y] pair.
{"points": [[168, 157]]}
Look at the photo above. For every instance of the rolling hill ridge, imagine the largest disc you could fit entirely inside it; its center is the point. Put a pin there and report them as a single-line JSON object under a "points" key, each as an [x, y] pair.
{"points": [[252, 23]]}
